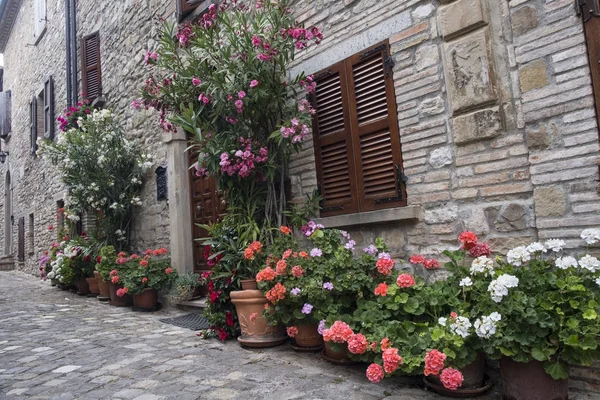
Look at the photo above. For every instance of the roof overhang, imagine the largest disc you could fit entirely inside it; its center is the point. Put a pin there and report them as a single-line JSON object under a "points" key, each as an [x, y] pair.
{"points": [[9, 9]]}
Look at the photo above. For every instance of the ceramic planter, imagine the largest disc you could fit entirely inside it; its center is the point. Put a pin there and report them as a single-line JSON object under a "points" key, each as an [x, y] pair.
{"points": [[308, 338], [256, 331], [115, 300], [529, 381], [103, 290], [83, 288], [146, 301], [93, 285], [249, 284], [474, 383], [337, 356]]}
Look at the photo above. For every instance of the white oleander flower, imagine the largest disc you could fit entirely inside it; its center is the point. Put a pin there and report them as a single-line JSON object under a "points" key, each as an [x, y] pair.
{"points": [[499, 287], [485, 327], [135, 180], [483, 265], [460, 326], [591, 235], [536, 247], [598, 281], [566, 262], [443, 320], [466, 282], [518, 256], [555, 245], [136, 201], [590, 263]]}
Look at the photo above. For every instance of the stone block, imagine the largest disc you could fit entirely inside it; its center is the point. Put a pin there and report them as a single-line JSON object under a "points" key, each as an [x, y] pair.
{"points": [[440, 157], [546, 136], [426, 56], [549, 201], [533, 75], [523, 19], [482, 124], [443, 214], [502, 245], [469, 70], [461, 16], [508, 218]]}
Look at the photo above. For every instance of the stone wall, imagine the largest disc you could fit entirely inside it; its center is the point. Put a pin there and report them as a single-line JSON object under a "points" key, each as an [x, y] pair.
{"points": [[126, 32], [489, 143]]}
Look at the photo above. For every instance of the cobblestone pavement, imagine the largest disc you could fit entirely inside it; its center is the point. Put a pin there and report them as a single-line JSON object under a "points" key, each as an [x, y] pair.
{"points": [[57, 345]]}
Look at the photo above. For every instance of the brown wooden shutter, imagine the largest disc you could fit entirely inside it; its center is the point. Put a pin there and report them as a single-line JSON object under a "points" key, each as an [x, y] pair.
{"points": [[33, 124], [5, 114], [374, 123], [90, 66], [185, 7], [336, 175], [592, 35], [49, 108], [21, 237]]}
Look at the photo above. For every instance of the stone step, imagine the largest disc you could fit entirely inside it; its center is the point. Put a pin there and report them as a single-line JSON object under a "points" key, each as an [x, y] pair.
{"points": [[194, 305]]}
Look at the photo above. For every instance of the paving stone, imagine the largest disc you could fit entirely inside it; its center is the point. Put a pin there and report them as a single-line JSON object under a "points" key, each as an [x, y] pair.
{"points": [[66, 368]]}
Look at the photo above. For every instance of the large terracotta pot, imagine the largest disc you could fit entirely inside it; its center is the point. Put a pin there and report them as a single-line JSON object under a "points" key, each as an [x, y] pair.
{"points": [[93, 285], [249, 284], [82, 287], [256, 331], [473, 381], [337, 356], [146, 301], [117, 301], [529, 381], [103, 290], [308, 338]]}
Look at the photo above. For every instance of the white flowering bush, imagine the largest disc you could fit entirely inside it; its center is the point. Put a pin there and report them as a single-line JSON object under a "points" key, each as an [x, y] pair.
{"points": [[102, 171], [537, 304]]}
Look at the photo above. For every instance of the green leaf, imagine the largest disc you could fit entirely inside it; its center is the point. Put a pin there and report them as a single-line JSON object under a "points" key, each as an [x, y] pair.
{"points": [[556, 370], [538, 354], [590, 314], [437, 334], [506, 352], [411, 305]]}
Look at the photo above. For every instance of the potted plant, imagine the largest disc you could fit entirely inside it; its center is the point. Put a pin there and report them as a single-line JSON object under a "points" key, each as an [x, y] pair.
{"points": [[105, 263], [546, 312], [184, 286], [113, 268], [143, 276]]}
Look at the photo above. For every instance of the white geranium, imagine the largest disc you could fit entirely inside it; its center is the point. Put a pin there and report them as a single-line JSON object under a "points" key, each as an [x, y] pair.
{"points": [[482, 265], [566, 262], [590, 263], [518, 256], [485, 327], [442, 321], [536, 247], [555, 245], [466, 282], [460, 326], [591, 235], [499, 287]]}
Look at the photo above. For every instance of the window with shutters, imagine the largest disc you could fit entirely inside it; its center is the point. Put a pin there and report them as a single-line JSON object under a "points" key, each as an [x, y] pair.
{"points": [[40, 19], [21, 239], [30, 235], [5, 114], [41, 115], [91, 73], [185, 7], [33, 124], [355, 134], [591, 18]]}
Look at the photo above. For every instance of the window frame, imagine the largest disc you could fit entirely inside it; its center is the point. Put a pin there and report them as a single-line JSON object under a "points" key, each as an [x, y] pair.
{"points": [[40, 17], [354, 130]]}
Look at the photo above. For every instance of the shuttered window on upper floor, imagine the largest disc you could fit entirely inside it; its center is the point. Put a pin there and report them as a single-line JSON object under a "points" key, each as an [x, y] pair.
{"points": [[5, 114], [592, 35], [41, 115], [356, 138], [91, 72]]}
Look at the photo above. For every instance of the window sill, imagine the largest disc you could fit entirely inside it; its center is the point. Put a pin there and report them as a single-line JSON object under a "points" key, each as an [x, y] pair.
{"points": [[407, 213]]}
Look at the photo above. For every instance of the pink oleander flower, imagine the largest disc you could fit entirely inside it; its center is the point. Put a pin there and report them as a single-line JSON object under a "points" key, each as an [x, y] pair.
{"points": [[357, 343], [241, 94], [136, 104], [254, 83], [151, 57], [375, 373], [451, 378], [196, 81], [405, 280], [434, 362]]}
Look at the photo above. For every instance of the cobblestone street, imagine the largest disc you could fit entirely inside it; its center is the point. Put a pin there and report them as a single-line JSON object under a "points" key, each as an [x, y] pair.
{"points": [[57, 345]]}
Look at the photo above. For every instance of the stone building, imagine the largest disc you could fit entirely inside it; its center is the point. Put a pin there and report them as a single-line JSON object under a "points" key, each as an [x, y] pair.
{"points": [[435, 116]]}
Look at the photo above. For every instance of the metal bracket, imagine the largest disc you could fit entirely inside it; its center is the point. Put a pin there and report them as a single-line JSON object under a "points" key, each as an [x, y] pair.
{"points": [[588, 9], [389, 66]]}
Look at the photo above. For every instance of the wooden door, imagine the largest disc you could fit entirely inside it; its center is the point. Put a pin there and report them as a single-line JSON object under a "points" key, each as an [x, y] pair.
{"points": [[207, 205], [592, 35]]}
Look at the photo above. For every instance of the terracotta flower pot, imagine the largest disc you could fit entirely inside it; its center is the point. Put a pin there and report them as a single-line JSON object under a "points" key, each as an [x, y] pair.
{"points": [[93, 285], [337, 356], [473, 384], [117, 301], [529, 381], [249, 284], [256, 331], [82, 287], [308, 337], [103, 290], [147, 300]]}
